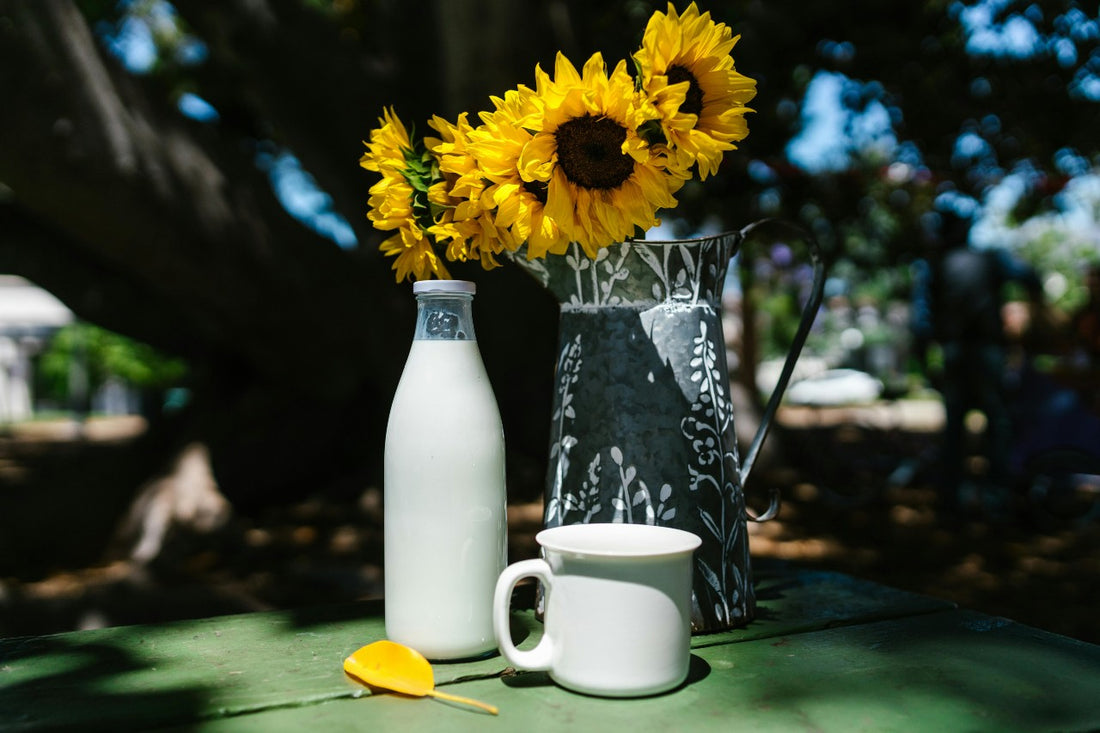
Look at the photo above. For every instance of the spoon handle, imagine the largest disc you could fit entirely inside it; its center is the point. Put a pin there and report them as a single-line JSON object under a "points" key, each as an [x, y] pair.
{"points": [[466, 701]]}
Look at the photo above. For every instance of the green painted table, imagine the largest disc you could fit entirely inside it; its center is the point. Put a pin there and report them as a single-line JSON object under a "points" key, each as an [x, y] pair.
{"points": [[827, 652]]}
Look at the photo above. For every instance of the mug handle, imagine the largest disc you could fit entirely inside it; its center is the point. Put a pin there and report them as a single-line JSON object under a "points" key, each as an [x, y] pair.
{"points": [[809, 312], [539, 658]]}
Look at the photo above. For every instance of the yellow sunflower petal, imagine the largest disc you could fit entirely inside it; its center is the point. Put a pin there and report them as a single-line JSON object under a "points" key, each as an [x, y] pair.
{"points": [[602, 177], [692, 48]]}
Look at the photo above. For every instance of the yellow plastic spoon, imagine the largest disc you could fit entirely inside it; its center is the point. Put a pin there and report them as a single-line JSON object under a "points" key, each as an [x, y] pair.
{"points": [[393, 666]]}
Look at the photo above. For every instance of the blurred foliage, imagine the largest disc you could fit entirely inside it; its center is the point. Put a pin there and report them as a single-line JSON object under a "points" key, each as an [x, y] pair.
{"points": [[104, 355], [163, 219], [941, 71], [930, 67]]}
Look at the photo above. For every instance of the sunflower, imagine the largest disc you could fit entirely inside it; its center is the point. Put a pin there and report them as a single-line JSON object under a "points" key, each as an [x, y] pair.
{"points": [[686, 68], [464, 217], [399, 200], [519, 207], [602, 179]]}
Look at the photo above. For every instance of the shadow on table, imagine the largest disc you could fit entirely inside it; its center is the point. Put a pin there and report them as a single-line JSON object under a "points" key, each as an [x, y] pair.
{"points": [[36, 673], [698, 670], [308, 616], [937, 671]]}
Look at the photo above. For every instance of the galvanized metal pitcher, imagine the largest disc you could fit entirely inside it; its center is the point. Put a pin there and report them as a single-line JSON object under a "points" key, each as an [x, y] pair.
{"points": [[642, 424]]}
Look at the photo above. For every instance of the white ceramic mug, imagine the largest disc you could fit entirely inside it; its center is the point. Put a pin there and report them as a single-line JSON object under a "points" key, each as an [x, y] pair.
{"points": [[618, 608]]}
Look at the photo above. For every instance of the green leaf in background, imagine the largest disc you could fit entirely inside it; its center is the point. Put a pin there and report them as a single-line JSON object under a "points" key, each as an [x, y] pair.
{"points": [[104, 354]]}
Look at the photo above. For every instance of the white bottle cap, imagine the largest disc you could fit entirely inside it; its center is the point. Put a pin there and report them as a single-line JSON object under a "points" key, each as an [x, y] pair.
{"points": [[444, 286]]}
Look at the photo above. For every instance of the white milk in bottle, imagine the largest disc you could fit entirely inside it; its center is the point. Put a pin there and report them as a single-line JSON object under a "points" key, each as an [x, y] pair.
{"points": [[444, 492]]}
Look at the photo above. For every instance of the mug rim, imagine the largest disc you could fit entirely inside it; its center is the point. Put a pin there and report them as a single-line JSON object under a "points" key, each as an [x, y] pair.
{"points": [[618, 540]]}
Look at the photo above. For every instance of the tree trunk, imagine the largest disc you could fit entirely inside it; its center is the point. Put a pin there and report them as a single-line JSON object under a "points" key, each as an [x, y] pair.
{"points": [[163, 229], [180, 244]]}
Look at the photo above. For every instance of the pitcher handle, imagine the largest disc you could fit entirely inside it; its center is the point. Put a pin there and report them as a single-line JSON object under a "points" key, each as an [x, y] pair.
{"points": [[809, 312]]}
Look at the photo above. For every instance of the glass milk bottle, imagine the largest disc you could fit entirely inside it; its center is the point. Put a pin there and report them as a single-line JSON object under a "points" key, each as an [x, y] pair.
{"points": [[444, 494]]}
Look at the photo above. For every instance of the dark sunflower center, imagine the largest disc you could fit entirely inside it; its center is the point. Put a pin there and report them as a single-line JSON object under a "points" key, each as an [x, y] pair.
{"points": [[693, 100], [590, 152]]}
